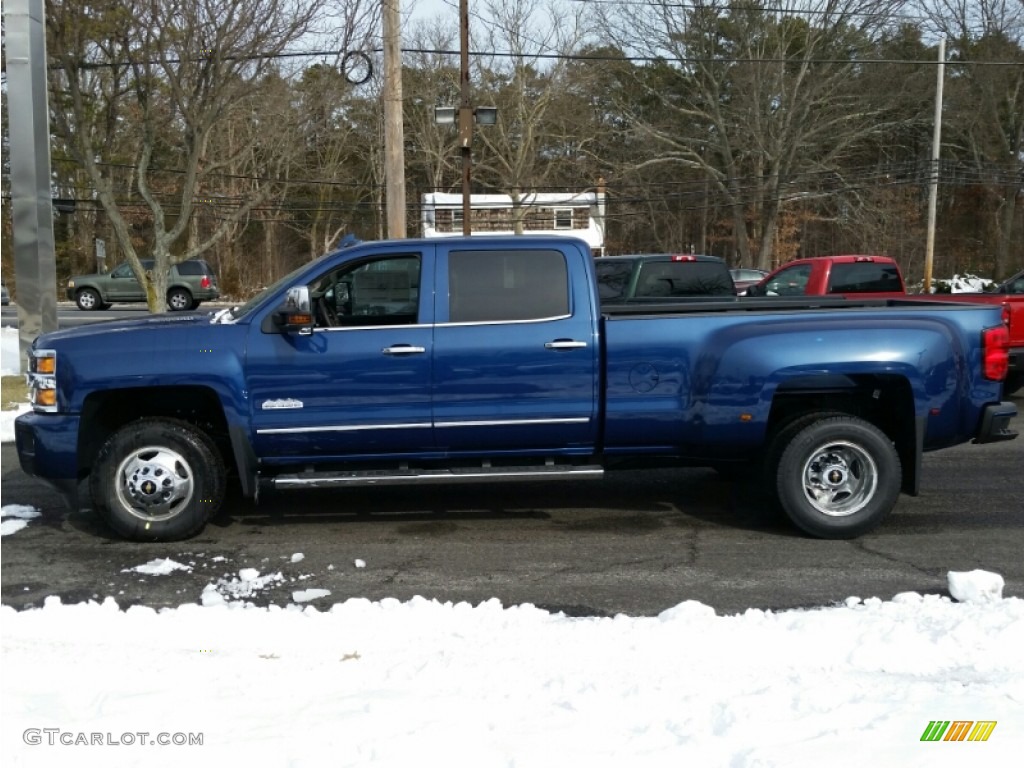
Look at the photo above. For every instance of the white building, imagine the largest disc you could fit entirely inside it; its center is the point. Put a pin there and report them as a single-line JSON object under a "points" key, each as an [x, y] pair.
{"points": [[550, 213]]}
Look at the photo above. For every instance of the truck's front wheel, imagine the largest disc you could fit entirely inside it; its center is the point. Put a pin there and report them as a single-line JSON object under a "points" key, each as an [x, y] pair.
{"points": [[838, 478], [158, 480]]}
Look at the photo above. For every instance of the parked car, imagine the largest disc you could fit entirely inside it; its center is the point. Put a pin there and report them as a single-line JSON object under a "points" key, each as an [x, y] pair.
{"points": [[744, 277], [661, 277], [5, 295], [189, 284], [860, 276]]}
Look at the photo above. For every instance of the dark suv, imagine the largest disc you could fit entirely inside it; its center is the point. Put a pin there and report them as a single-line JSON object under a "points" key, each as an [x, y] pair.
{"points": [[189, 284]]}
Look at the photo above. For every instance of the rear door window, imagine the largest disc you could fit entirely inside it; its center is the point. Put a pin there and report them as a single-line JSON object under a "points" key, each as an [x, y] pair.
{"points": [[495, 286]]}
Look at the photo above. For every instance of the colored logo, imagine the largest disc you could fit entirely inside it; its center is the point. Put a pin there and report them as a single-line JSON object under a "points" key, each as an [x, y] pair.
{"points": [[958, 730]]}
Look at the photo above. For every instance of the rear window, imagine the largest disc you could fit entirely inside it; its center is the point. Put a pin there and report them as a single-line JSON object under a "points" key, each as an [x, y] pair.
{"points": [[674, 279], [495, 286], [864, 277]]}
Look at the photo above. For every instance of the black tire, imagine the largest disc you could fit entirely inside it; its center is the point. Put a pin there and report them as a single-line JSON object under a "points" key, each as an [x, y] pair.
{"points": [[158, 480], [179, 300], [838, 477], [89, 299]]}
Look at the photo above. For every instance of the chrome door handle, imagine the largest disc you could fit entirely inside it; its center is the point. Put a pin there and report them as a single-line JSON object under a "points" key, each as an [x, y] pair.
{"points": [[565, 344], [403, 349]]}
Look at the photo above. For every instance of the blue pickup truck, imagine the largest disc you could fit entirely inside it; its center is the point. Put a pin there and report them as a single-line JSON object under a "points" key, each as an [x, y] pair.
{"points": [[492, 359]]}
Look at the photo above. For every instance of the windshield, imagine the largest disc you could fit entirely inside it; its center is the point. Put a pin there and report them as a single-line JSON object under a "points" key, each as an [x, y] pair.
{"points": [[244, 309]]}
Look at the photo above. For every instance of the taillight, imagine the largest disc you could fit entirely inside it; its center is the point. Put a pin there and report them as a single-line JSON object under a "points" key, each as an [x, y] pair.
{"points": [[682, 257], [205, 282], [995, 352]]}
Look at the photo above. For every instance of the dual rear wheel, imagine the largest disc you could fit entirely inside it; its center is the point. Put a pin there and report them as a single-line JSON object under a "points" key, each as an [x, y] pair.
{"points": [[836, 476]]}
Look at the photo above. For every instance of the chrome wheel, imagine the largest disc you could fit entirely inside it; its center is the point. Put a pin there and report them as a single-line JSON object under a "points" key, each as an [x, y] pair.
{"points": [[839, 478], [154, 483]]}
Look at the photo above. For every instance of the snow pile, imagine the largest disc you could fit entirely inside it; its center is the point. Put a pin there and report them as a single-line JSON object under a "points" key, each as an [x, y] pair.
{"points": [[307, 595], [426, 683], [14, 517], [247, 584], [969, 284], [159, 567], [975, 586]]}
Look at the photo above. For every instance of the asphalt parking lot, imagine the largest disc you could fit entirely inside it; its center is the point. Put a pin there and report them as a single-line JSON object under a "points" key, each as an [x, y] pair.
{"points": [[635, 543]]}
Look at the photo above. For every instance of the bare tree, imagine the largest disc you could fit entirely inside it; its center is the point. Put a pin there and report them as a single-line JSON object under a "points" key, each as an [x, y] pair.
{"points": [[758, 96], [431, 79], [173, 72], [985, 128], [525, 148]]}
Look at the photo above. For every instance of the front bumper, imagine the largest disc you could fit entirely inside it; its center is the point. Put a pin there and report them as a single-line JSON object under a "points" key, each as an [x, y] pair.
{"points": [[48, 449], [995, 423]]}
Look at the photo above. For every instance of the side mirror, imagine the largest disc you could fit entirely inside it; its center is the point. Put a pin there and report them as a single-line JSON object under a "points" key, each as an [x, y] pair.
{"points": [[295, 315], [755, 290]]}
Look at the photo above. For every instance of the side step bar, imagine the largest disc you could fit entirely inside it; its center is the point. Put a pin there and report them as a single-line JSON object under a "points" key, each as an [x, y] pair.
{"points": [[482, 474]]}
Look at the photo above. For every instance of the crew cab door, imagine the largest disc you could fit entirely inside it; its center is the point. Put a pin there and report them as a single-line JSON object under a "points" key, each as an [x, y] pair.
{"points": [[359, 384], [515, 350]]}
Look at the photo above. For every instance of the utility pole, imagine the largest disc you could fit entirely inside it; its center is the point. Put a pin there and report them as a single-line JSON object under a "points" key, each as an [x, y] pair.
{"points": [[933, 192], [466, 116], [394, 138], [35, 261]]}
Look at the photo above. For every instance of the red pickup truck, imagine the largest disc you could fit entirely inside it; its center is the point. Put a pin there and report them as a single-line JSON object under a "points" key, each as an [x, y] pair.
{"points": [[880, 277], [865, 276]]}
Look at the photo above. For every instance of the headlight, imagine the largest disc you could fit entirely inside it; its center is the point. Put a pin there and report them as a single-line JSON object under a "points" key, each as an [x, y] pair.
{"points": [[42, 379], [71, 283]]}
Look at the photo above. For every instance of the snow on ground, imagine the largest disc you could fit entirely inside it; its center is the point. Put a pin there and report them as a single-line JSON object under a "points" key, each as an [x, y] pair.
{"points": [[9, 367], [423, 683]]}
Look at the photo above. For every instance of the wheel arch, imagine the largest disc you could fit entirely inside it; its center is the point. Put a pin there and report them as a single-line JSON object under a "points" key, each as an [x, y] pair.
{"points": [[103, 413], [95, 287], [885, 400]]}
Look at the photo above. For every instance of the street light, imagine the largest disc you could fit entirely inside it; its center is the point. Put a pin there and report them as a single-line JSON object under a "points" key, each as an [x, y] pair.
{"points": [[444, 115], [467, 116], [486, 115]]}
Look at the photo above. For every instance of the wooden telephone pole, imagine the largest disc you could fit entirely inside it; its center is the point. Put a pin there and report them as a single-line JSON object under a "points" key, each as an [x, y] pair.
{"points": [[394, 138]]}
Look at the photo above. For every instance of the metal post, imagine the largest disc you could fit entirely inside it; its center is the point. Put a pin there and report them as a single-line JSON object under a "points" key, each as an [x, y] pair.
{"points": [[35, 262], [394, 139], [933, 192], [465, 116]]}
